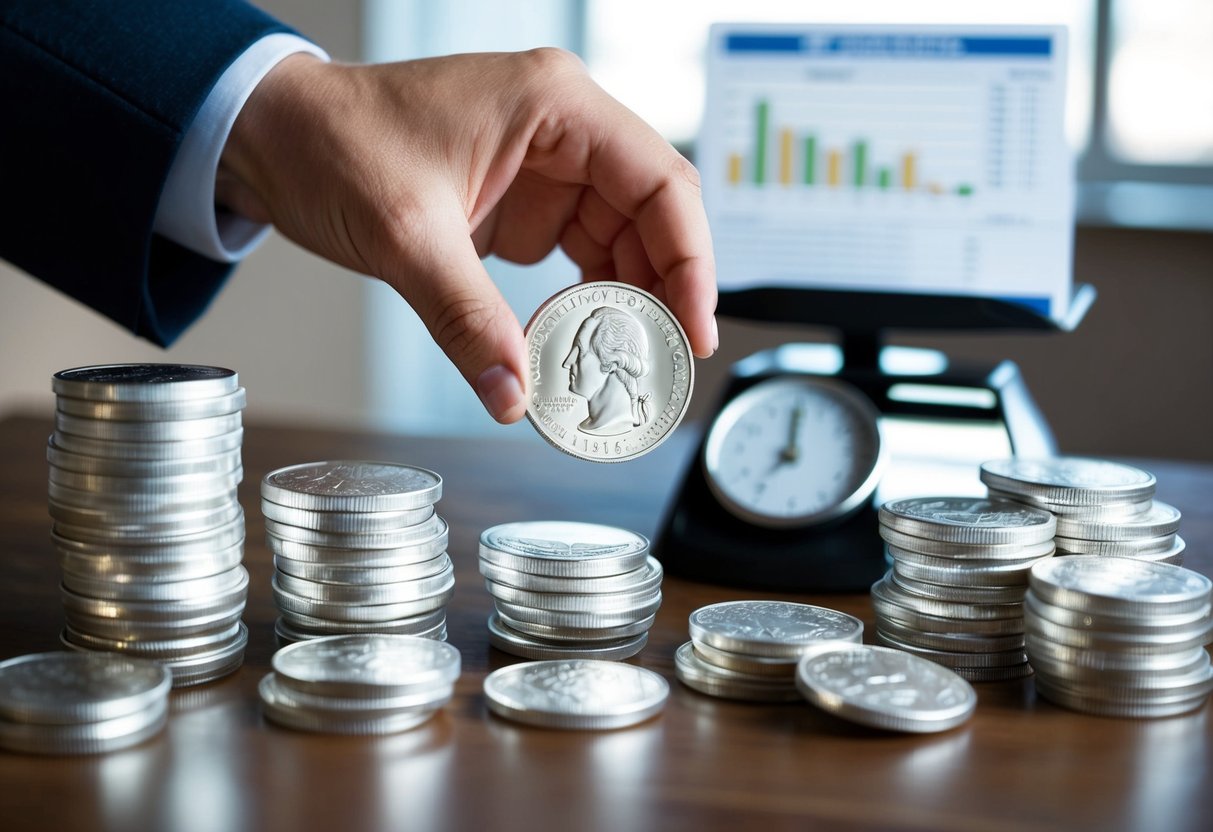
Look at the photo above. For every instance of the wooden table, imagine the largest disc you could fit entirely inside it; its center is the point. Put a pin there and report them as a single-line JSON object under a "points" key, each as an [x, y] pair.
{"points": [[1020, 763]]}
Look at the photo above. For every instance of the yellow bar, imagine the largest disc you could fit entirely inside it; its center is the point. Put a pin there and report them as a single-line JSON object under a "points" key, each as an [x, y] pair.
{"points": [[834, 169], [734, 168], [785, 157], [907, 172]]}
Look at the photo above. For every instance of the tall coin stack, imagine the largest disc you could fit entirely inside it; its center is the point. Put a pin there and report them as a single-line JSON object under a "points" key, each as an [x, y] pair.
{"points": [[358, 548], [955, 594], [569, 590], [1103, 508], [1120, 637], [144, 464], [749, 649]]}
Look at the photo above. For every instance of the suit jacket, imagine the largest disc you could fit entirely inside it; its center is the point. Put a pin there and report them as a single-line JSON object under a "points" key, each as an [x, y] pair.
{"points": [[95, 98]]}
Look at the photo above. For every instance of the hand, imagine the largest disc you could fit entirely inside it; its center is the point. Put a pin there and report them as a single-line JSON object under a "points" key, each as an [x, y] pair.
{"points": [[791, 452], [413, 171]]}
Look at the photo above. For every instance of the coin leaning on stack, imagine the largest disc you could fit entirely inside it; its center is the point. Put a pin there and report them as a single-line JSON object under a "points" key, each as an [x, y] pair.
{"points": [[80, 703], [565, 590], [358, 548], [960, 571], [1119, 636], [1102, 508], [144, 465], [749, 649], [366, 684]]}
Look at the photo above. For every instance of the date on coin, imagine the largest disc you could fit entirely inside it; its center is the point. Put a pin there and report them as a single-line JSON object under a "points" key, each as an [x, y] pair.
{"points": [[609, 371]]}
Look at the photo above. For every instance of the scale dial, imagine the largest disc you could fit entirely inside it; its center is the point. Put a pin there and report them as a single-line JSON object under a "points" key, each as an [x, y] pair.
{"points": [[794, 451]]}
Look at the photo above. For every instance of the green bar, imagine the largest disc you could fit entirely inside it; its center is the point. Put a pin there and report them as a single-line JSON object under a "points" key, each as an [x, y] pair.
{"points": [[861, 162], [884, 178], [964, 190], [760, 143], [810, 159]]}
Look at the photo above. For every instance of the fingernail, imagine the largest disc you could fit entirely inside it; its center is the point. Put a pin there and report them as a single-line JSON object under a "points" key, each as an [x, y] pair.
{"points": [[499, 391], [715, 335]]}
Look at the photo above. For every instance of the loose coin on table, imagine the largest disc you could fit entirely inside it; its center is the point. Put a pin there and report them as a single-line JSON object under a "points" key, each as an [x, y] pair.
{"points": [[884, 688], [609, 371], [577, 693], [80, 703]]}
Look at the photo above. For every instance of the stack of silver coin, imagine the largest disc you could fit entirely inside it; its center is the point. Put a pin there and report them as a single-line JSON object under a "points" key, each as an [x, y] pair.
{"points": [[749, 649], [359, 684], [358, 548], [569, 590], [960, 570], [144, 464], [1120, 636], [80, 703], [1102, 508]]}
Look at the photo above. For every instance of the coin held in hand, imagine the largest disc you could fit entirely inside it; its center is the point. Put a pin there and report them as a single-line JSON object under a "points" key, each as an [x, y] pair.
{"points": [[609, 371]]}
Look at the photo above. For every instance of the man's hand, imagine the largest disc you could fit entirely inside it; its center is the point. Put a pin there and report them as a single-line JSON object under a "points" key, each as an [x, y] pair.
{"points": [[413, 171]]}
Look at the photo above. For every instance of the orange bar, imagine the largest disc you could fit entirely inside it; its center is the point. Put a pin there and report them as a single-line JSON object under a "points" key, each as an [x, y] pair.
{"points": [[785, 157], [734, 168], [907, 172], [834, 169]]}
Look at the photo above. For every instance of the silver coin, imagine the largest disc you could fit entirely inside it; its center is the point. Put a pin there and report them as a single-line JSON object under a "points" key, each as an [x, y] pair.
{"points": [[1186, 623], [1108, 661], [185, 590], [520, 644], [779, 629], [416, 625], [418, 533], [955, 659], [576, 620], [886, 610], [609, 372], [360, 575], [86, 738], [763, 666], [1119, 586], [885, 688], [168, 628], [157, 650], [1078, 675], [972, 520], [207, 667], [1150, 548], [150, 451], [421, 700], [1069, 480], [994, 674], [1145, 688], [100, 466], [366, 666], [189, 430], [580, 635], [144, 382], [159, 611], [564, 550], [119, 525], [134, 506], [722, 683], [167, 411], [1098, 512], [964, 594], [604, 603], [1099, 707], [369, 558], [394, 593], [284, 712], [430, 625], [288, 601], [576, 693], [181, 532], [158, 568], [347, 522], [961, 573], [1161, 520], [888, 591], [957, 642], [352, 486], [72, 688], [1128, 643], [966, 551], [647, 575], [181, 487]]}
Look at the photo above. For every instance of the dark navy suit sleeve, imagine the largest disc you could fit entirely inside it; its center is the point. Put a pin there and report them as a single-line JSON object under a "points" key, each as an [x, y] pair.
{"points": [[95, 98]]}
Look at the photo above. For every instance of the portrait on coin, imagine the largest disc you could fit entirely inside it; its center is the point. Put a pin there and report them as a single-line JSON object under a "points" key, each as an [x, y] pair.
{"points": [[608, 357]]}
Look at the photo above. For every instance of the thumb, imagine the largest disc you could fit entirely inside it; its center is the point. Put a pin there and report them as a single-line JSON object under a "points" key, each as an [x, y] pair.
{"points": [[441, 276]]}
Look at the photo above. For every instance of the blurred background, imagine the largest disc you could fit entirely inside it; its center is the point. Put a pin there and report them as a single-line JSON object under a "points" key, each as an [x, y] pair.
{"points": [[319, 346]]}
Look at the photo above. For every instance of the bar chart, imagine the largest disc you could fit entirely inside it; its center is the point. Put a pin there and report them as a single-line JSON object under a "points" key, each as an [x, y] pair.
{"points": [[923, 159]]}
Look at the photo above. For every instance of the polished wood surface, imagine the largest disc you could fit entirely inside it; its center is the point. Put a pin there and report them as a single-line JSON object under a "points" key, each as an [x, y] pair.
{"points": [[1020, 763]]}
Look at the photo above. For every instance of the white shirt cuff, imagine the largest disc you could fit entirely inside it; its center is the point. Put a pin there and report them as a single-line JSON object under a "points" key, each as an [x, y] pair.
{"points": [[187, 214]]}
